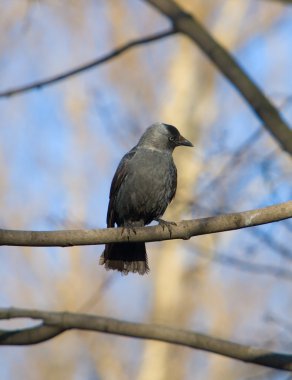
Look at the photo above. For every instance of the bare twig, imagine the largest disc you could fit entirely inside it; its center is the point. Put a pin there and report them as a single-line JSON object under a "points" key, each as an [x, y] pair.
{"points": [[233, 160], [54, 323], [183, 230], [278, 247], [266, 111], [247, 266], [57, 78], [289, 2]]}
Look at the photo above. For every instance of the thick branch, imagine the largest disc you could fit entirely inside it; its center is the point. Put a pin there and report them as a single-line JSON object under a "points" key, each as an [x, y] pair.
{"points": [[55, 322], [87, 66], [188, 25], [183, 230]]}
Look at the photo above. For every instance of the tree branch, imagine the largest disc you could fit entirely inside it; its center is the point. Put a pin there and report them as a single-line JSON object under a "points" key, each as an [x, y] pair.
{"points": [[57, 322], [266, 111], [115, 53], [246, 265], [183, 230], [189, 26]]}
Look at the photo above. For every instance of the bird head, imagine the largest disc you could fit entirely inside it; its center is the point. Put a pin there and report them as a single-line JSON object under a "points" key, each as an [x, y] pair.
{"points": [[164, 137]]}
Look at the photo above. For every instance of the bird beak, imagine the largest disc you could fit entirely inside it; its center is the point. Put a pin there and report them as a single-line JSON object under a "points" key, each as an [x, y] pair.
{"points": [[183, 141]]}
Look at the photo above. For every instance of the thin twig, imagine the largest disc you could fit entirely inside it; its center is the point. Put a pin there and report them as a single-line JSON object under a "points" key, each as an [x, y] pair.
{"points": [[245, 265], [288, 2], [116, 52]]}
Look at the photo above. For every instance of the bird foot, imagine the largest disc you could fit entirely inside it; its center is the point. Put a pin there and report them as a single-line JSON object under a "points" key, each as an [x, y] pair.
{"points": [[166, 224], [129, 227]]}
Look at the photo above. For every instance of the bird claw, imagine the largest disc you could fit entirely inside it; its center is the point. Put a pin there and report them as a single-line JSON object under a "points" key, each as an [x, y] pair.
{"points": [[130, 228], [167, 224]]}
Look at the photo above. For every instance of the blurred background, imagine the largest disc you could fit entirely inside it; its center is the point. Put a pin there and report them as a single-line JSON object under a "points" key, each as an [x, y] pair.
{"points": [[60, 146]]}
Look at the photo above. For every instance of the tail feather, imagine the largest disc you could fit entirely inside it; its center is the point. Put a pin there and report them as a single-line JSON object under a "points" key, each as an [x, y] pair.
{"points": [[125, 258]]}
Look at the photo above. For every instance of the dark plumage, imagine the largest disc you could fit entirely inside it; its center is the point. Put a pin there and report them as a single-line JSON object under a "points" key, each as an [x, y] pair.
{"points": [[143, 186]]}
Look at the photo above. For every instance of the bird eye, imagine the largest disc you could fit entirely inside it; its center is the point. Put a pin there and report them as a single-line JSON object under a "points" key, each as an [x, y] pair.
{"points": [[171, 138]]}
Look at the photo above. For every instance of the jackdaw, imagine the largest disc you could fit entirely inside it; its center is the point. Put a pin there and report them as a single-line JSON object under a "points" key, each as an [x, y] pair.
{"points": [[143, 186]]}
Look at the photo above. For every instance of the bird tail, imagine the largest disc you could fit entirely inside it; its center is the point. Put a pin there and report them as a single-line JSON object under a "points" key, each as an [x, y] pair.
{"points": [[125, 257]]}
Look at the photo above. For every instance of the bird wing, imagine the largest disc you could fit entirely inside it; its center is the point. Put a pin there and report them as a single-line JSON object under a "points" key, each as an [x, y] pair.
{"points": [[174, 184], [118, 179]]}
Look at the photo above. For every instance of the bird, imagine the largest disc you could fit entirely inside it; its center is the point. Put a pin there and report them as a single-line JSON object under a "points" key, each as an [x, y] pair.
{"points": [[143, 185]]}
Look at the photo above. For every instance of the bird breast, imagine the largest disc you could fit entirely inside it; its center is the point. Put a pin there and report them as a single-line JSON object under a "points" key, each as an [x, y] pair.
{"points": [[148, 187]]}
